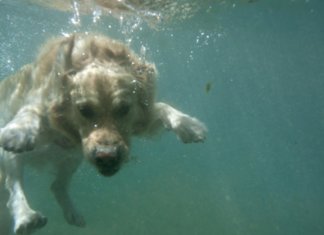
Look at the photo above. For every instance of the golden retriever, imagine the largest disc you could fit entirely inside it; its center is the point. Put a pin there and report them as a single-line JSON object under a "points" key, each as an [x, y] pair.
{"points": [[84, 93]]}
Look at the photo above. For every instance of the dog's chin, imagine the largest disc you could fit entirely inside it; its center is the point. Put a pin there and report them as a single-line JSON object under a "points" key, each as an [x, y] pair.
{"points": [[108, 171]]}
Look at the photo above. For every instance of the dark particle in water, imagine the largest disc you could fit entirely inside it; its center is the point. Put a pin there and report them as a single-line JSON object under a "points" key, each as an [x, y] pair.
{"points": [[208, 86]]}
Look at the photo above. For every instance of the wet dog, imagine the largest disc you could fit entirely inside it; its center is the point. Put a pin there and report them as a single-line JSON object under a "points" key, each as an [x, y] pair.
{"points": [[84, 93]]}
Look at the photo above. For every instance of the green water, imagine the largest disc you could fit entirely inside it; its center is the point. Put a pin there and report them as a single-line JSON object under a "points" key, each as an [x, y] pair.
{"points": [[261, 170]]}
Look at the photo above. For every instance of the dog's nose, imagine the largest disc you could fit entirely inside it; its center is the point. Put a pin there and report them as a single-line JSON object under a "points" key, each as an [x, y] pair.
{"points": [[107, 159], [106, 152]]}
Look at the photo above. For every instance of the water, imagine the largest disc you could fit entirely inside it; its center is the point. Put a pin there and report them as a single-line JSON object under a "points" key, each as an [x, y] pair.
{"points": [[260, 170]]}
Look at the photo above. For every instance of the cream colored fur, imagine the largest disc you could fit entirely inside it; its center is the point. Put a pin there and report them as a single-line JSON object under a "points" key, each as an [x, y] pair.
{"points": [[84, 95]]}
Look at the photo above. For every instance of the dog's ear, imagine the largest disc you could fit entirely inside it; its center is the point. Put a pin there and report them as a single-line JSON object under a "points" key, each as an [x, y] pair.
{"points": [[62, 68], [63, 63], [145, 74]]}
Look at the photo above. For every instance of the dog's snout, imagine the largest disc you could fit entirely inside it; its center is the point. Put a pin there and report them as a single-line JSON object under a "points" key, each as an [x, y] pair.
{"points": [[108, 159], [106, 149], [106, 152]]}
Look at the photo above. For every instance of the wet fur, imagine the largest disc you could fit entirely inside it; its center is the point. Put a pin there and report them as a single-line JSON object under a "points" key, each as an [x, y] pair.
{"points": [[84, 95]]}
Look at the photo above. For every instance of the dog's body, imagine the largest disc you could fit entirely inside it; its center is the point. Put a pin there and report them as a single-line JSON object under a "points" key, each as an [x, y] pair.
{"points": [[84, 93]]}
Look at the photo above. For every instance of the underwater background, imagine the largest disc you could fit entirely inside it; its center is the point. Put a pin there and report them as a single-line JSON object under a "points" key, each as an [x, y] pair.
{"points": [[253, 72]]}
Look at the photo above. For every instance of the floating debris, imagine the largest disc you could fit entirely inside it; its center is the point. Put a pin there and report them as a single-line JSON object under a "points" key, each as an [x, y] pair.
{"points": [[208, 86]]}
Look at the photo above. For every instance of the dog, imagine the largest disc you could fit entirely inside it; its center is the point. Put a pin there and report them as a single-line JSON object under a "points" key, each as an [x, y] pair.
{"points": [[85, 94]]}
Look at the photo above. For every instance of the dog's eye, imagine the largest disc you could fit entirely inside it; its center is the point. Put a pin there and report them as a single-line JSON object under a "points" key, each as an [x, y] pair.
{"points": [[86, 111], [71, 72], [123, 109]]}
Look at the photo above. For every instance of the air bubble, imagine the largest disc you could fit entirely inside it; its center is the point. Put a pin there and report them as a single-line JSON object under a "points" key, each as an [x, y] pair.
{"points": [[75, 20]]}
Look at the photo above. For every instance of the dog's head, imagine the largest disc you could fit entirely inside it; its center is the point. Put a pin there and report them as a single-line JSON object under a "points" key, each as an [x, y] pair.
{"points": [[105, 95]]}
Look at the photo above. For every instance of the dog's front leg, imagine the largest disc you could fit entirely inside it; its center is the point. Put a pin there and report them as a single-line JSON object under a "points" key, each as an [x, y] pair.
{"points": [[21, 132], [60, 186], [25, 219], [187, 128], [5, 219]]}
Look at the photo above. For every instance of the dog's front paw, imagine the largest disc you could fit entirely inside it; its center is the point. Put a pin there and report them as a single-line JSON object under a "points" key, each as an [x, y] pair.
{"points": [[189, 129], [29, 223], [16, 138]]}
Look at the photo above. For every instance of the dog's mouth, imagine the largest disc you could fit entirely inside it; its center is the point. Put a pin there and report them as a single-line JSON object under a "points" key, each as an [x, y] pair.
{"points": [[108, 159], [108, 168]]}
